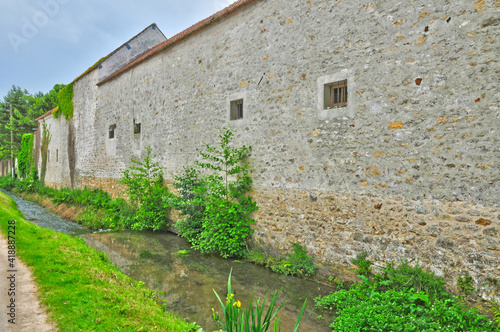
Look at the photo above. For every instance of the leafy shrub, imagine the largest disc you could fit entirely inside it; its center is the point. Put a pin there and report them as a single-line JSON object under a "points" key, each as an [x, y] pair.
{"points": [[191, 204], [215, 204], [390, 303], [7, 182], [147, 191], [405, 277], [362, 263], [298, 264], [464, 284]]}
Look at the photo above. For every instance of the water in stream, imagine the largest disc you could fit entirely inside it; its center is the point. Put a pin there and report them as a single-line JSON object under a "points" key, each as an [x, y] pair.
{"points": [[165, 262]]}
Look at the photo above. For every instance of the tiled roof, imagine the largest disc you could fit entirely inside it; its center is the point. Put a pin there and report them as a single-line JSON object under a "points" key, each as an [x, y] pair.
{"points": [[214, 19], [47, 114], [110, 54]]}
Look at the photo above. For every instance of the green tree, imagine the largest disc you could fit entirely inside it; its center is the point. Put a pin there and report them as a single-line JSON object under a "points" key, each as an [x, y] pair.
{"points": [[215, 200], [26, 108], [148, 193]]}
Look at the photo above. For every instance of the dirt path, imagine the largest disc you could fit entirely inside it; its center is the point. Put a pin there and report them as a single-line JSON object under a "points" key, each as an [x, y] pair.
{"points": [[29, 316]]}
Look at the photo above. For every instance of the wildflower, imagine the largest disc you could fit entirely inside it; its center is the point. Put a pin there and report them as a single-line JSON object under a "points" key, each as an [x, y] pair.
{"points": [[237, 303]]}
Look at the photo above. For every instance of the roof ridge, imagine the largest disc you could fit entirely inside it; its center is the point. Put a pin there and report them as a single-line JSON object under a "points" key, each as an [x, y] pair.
{"points": [[197, 27], [116, 50], [47, 114]]}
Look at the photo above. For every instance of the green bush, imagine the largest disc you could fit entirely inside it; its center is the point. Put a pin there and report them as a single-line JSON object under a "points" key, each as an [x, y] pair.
{"points": [[7, 182], [213, 198], [464, 284], [362, 263], [405, 277], [390, 302], [148, 193], [297, 264], [191, 203]]}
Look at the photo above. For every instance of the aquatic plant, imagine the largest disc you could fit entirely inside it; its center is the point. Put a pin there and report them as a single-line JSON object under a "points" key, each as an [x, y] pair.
{"points": [[252, 319]]}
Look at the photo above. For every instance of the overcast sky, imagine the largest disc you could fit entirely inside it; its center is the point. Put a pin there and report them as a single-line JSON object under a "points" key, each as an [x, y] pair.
{"points": [[46, 42]]}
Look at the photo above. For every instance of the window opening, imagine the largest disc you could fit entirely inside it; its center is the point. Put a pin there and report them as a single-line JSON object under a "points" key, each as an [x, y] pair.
{"points": [[336, 94], [137, 128], [236, 109], [112, 131]]}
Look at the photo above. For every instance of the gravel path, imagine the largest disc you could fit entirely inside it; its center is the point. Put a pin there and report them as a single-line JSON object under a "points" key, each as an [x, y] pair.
{"points": [[29, 315]]}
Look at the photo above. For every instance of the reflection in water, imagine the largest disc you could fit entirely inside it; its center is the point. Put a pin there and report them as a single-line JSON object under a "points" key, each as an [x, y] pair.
{"points": [[188, 280]]}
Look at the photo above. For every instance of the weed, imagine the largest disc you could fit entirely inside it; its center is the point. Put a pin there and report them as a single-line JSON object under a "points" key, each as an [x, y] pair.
{"points": [[183, 252], [464, 284], [146, 254], [405, 277], [390, 303], [363, 264]]}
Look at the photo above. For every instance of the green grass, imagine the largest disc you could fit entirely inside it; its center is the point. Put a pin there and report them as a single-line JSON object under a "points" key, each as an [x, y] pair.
{"points": [[81, 289]]}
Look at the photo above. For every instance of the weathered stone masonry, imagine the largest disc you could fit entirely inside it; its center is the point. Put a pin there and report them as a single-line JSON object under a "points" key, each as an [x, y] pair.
{"points": [[408, 170]]}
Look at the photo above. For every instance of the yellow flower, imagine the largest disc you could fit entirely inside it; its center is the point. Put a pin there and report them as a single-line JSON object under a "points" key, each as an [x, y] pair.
{"points": [[238, 304]]}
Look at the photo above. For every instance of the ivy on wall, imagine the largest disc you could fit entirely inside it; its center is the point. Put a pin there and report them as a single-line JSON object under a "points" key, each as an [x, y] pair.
{"points": [[65, 97], [44, 149], [25, 157]]}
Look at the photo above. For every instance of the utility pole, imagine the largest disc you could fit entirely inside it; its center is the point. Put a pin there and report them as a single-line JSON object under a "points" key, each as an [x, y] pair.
{"points": [[11, 143]]}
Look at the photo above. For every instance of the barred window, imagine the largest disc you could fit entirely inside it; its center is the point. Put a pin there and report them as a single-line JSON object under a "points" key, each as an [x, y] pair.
{"points": [[336, 94]]}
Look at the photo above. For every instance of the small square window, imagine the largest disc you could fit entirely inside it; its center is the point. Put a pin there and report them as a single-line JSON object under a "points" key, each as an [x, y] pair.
{"points": [[336, 94], [137, 128], [112, 131], [236, 109]]}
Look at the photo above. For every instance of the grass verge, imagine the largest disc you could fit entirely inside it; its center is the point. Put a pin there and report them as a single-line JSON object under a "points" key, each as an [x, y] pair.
{"points": [[80, 288]]}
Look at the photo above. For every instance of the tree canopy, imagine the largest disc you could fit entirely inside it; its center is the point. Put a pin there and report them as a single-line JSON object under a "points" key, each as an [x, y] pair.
{"points": [[26, 108]]}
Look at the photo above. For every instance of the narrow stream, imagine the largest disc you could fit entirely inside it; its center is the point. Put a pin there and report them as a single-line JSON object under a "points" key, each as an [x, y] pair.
{"points": [[165, 263]]}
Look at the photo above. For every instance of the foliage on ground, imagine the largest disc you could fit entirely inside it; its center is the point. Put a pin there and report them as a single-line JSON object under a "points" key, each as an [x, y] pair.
{"points": [[298, 263], [101, 210], [402, 298], [214, 200], [80, 288]]}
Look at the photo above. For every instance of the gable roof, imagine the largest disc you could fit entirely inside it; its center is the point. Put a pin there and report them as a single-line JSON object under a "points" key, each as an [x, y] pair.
{"points": [[116, 50], [209, 21], [47, 114]]}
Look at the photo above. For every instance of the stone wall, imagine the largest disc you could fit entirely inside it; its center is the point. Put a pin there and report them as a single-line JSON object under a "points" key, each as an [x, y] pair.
{"points": [[409, 169], [57, 154]]}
